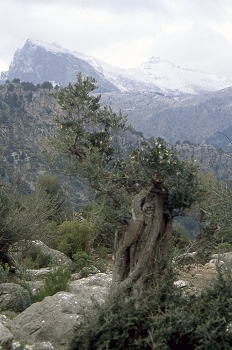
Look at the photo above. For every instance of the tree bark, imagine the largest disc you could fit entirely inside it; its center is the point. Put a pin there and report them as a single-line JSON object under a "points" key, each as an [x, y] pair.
{"points": [[145, 240]]}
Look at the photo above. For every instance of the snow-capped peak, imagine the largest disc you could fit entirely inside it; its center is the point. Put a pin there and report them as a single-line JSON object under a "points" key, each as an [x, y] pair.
{"points": [[154, 75]]}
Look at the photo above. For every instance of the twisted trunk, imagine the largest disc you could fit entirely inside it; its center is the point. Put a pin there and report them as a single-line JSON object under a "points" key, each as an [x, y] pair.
{"points": [[146, 238]]}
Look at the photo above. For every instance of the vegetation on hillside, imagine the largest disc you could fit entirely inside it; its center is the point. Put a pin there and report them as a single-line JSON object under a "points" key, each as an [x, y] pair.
{"points": [[138, 190], [135, 194]]}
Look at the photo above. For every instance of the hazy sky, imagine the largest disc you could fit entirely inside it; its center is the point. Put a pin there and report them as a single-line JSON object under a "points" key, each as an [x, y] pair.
{"points": [[194, 34]]}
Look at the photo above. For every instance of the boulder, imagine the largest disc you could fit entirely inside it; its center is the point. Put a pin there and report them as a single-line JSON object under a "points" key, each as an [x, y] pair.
{"points": [[38, 274], [181, 284], [225, 257], [187, 258], [13, 297], [92, 287], [213, 263], [59, 258], [6, 338], [52, 320], [4, 320]]}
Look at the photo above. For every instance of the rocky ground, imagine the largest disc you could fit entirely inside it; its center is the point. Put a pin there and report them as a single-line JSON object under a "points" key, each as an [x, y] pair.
{"points": [[48, 325]]}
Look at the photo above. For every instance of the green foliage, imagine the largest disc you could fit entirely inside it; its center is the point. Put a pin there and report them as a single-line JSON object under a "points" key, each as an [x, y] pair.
{"points": [[16, 81], [102, 252], [50, 184], [164, 319], [29, 86], [223, 247], [55, 281], [12, 100], [213, 211], [82, 259], [34, 258], [180, 238], [73, 236], [10, 87], [23, 217], [85, 145], [4, 273], [47, 85]]}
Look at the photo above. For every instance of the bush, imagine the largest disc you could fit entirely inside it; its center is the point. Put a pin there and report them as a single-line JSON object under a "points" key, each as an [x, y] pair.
{"points": [[73, 236], [164, 319], [4, 273], [224, 247], [180, 238], [33, 258], [55, 281], [82, 259]]}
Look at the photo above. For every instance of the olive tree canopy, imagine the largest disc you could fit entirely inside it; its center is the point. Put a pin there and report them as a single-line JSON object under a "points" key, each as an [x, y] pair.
{"points": [[139, 190]]}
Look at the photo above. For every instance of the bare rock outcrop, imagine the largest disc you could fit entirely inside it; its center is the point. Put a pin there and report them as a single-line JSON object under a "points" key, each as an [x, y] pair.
{"points": [[6, 338], [57, 257], [53, 319], [13, 297]]}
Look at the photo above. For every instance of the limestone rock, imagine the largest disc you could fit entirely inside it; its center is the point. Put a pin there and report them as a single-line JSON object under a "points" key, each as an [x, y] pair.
{"points": [[59, 258], [52, 320], [38, 274], [226, 257], [36, 346], [213, 263], [43, 346], [181, 284], [4, 320], [14, 297], [6, 338], [96, 286]]}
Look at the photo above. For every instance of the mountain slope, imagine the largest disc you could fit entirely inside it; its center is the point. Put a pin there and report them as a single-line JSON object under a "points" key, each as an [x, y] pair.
{"points": [[197, 119], [39, 61]]}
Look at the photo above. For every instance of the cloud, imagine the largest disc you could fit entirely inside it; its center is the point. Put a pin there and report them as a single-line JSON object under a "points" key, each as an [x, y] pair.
{"points": [[195, 34]]}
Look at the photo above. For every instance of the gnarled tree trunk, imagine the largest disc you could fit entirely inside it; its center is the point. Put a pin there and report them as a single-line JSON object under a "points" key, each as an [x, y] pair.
{"points": [[146, 238]]}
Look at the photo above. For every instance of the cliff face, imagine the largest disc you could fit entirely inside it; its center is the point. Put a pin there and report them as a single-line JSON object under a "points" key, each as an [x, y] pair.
{"points": [[25, 115], [198, 119], [211, 159], [36, 64]]}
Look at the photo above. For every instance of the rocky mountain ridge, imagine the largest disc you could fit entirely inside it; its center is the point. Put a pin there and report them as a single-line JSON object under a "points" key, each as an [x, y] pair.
{"points": [[198, 119], [39, 61]]}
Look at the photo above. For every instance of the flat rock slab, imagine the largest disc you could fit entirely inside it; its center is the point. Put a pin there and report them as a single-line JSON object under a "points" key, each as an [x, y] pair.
{"points": [[52, 320]]}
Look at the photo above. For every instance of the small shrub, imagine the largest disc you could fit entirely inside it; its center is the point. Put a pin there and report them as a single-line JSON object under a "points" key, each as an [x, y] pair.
{"points": [[82, 259], [102, 252], [73, 236], [224, 247], [55, 281], [101, 265], [4, 273], [180, 238], [164, 319], [34, 258]]}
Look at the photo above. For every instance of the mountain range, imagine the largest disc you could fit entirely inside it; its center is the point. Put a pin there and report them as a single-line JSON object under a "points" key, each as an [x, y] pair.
{"points": [[38, 61], [184, 107]]}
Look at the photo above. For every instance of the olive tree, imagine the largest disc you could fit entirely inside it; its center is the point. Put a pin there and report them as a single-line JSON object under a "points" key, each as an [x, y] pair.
{"points": [[139, 190]]}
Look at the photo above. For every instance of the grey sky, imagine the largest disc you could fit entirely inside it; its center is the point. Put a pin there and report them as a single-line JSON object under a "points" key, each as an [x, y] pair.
{"points": [[194, 34]]}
